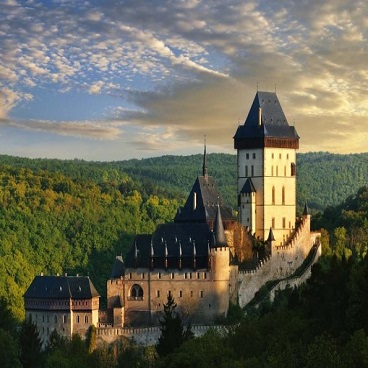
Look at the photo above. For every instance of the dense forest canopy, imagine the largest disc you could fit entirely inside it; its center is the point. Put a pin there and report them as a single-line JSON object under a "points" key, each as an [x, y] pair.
{"points": [[73, 216], [323, 178]]}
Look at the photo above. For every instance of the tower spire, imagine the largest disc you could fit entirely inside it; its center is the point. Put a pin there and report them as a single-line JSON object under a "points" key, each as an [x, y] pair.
{"points": [[204, 167], [218, 230]]}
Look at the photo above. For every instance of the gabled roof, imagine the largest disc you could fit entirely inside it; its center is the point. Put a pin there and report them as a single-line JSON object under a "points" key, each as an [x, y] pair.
{"points": [[180, 240], [118, 270], [202, 202], [61, 287], [248, 187], [266, 109]]}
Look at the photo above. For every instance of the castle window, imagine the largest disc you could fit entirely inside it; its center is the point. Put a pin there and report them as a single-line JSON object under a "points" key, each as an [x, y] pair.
{"points": [[246, 170], [172, 275], [190, 275], [283, 222], [185, 275], [201, 293], [293, 169], [85, 319], [136, 292], [272, 155], [157, 293], [284, 170], [273, 195], [180, 294], [191, 293], [65, 318], [254, 155], [198, 275], [247, 156], [169, 293], [55, 318], [280, 156], [43, 318], [142, 275], [273, 222], [277, 171], [205, 275], [252, 170], [159, 275], [283, 195], [287, 156], [272, 170], [130, 275], [77, 319]]}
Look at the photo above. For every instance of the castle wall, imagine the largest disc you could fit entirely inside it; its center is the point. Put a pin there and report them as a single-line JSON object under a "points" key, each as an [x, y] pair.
{"points": [[284, 261], [200, 294], [146, 336]]}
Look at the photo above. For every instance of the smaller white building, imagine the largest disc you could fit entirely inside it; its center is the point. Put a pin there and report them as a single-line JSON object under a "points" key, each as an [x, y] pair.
{"points": [[67, 304]]}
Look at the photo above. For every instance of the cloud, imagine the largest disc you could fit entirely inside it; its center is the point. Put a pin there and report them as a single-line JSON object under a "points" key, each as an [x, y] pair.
{"points": [[189, 68], [94, 130]]}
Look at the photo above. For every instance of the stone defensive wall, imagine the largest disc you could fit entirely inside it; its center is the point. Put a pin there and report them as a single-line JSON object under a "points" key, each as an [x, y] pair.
{"points": [[296, 281], [146, 335], [283, 262]]}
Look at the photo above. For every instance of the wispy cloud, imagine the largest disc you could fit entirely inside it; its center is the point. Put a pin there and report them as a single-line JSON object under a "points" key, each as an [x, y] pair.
{"points": [[189, 67]]}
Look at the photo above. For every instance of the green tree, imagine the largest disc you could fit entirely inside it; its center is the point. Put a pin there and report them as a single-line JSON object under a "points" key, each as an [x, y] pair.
{"points": [[172, 329], [9, 351], [30, 344]]}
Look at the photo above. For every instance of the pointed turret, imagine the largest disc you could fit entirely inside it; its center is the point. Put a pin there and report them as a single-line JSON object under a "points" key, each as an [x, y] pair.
{"points": [[205, 167], [218, 230], [306, 210], [270, 238]]}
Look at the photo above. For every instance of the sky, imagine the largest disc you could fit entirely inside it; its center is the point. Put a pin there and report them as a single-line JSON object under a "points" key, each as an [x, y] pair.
{"points": [[109, 80]]}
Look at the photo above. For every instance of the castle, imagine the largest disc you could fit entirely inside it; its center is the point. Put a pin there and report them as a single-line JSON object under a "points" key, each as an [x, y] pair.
{"points": [[206, 258]]}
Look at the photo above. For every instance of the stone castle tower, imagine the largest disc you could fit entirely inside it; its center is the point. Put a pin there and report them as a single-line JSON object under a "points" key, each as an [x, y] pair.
{"points": [[266, 165]]}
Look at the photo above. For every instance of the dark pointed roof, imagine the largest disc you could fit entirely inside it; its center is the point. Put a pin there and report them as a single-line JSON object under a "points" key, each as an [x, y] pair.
{"points": [[207, 198], [248, 187], [218, 230], [203, 199], [61, 287], [270, 236], [118, 270], [306, 210], [205, 167], [273, 124], [179, 239]]}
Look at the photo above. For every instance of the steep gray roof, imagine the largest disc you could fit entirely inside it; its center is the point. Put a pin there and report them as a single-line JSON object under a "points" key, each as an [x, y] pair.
{"points": [[218, 230], [208, 197], [248, 187], [118, 270], [61, 287], [179, 240], [273, 120]]}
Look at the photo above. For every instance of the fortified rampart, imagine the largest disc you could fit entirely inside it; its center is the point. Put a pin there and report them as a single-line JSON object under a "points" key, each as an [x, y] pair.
{"points": [[283, 262], [145, 336]]}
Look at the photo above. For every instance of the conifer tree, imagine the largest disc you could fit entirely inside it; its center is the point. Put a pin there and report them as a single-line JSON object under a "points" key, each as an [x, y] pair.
{"points": [[31, 345], [172, 329]]}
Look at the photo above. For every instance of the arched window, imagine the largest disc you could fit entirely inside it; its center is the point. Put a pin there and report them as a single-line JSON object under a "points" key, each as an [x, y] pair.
{"points": [[283, 195], [273, 195], [77, 319], [65, 318], [85, 319], [136, 292]]}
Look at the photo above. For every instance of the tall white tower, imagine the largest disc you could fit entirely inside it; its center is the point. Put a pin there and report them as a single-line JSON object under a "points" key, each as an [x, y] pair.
{"points": [[266, 157]]}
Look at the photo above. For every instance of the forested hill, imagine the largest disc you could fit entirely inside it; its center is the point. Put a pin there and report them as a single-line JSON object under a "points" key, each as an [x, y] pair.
{"points": [[323, 179], [73, 216]]}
